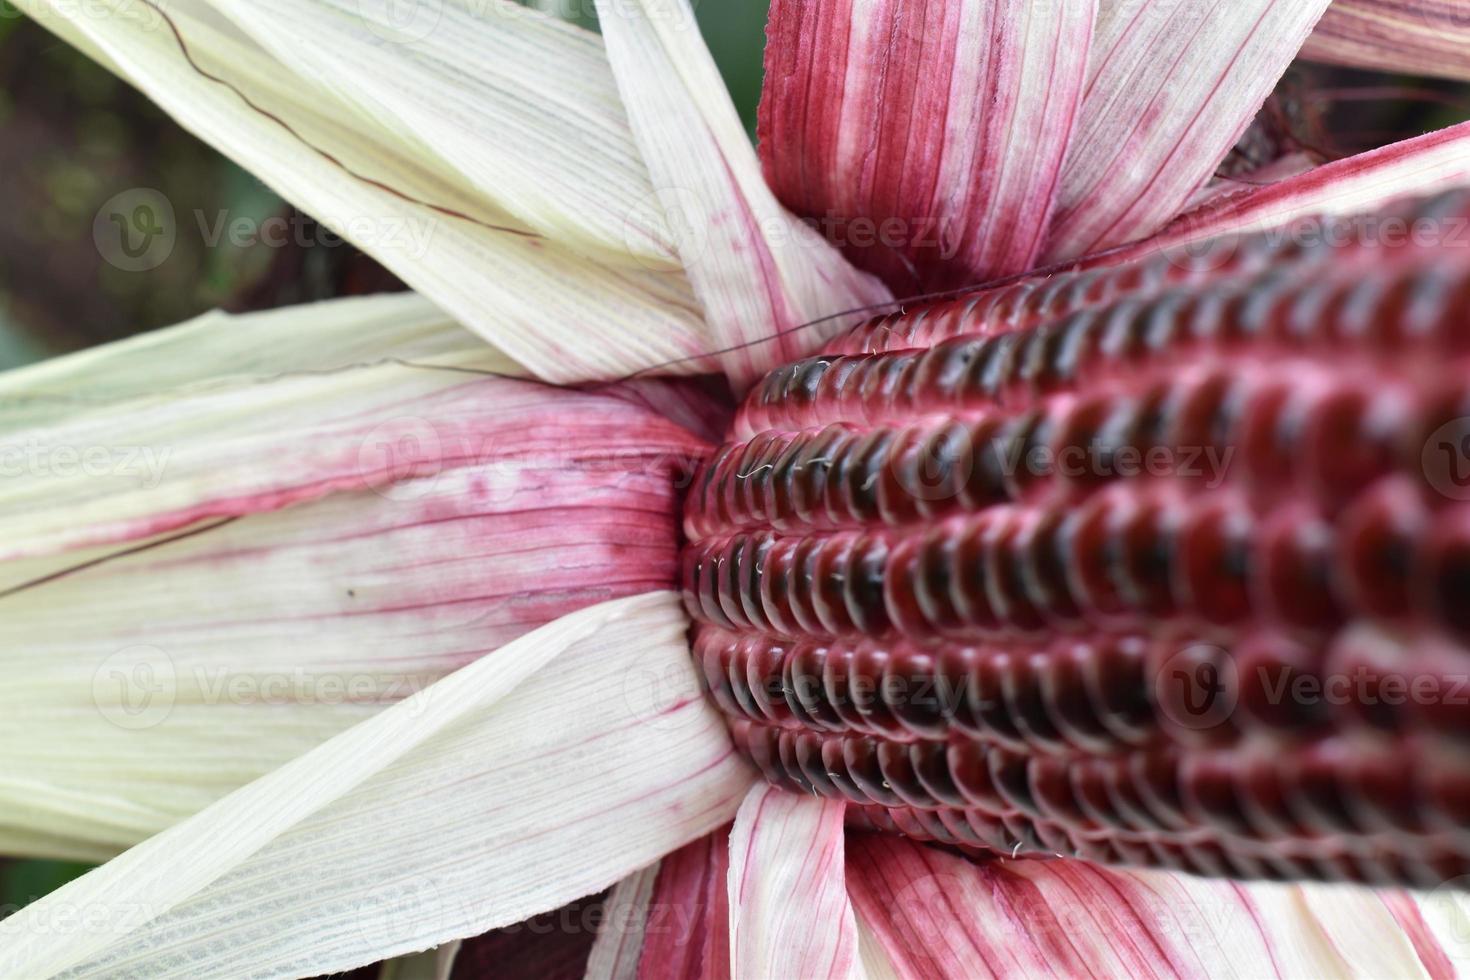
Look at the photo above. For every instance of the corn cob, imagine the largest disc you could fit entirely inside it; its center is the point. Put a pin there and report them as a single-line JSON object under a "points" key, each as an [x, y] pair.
{"points": [[934, 574]]}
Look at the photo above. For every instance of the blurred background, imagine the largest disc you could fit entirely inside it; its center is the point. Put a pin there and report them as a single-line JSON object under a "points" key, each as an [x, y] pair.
{"points": [[72, 137]]}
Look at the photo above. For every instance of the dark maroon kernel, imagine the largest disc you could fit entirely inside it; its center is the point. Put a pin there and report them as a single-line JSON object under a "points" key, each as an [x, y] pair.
{"points": [[975, 833], [1383, 793], [1261, 792], [763, 680], [1199, 411], [1438, 705], [1002, 573], [1028, 460], [860, 759], [1215, 563], [1146, 550], [1009, 776], [1030, 302], [1209, 794], [1350, 441], [1267, 464], [1129, 558], [802, 682], [1274, 670], [1138, 802], [1294, 584], [986, 700], [806, 751], [1086, 537], [1373, 665], [1444, 577], [1275, 431], [1194, 688], [1096, 428], [1319, 786], [1043, 568], [897, 769], [1381, 536], [1139, 342], [965, 566], [834, 764], [1071, 696], [840, 693], [1052, 789], [931, 578], [1446, 788], [866, 671]]}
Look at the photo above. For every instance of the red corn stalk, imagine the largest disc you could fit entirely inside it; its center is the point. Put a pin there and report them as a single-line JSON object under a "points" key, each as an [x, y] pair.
{"points": [[1165, 563]]}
